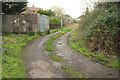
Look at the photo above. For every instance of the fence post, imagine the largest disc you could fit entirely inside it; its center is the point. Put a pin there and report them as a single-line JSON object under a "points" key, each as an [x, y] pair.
{"points": [[61, 22]]}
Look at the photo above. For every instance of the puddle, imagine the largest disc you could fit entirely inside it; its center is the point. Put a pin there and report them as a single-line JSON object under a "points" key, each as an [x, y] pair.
{"points": [[60, 55], [61, 43]]}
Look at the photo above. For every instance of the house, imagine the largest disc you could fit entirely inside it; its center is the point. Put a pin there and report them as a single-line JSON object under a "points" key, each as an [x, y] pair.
{"points": [[80, 17], [31, 10]]}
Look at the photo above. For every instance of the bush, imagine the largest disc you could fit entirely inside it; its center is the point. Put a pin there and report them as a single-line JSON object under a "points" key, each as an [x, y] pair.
{"points": [[99, 28], [31, 33], [46, 12], [54, 22]]}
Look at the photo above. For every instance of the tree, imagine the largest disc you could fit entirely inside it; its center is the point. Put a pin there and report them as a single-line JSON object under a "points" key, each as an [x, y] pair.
{"points": [[13, 7], [46, 12], [67, 16], [59, 11], [87, 11], [50, 13]]}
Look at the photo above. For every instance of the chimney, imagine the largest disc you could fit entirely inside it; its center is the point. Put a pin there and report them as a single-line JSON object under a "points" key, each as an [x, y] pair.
{"points": [[33, 6]]}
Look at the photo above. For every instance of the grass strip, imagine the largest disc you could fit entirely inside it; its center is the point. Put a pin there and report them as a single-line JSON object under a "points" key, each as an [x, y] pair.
{"points": [[73, 73], [49, 46], [12, 64]]}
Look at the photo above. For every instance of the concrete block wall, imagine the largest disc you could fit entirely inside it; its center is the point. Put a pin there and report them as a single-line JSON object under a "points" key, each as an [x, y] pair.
{"points": [[23, 23]]}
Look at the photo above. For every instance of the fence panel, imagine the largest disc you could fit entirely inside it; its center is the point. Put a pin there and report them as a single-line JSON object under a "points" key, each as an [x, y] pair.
{"points": [[43, 22]]}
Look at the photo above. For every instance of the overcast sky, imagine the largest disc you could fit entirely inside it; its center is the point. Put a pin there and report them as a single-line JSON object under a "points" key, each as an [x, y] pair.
{"points": [[74, 8]]}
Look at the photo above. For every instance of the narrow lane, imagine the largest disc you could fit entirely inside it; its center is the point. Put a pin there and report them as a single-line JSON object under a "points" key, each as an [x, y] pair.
{"points": [[39, 65]]}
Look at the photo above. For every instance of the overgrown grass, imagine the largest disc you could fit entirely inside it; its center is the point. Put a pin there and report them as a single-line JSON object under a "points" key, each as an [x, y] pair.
{"points": [[12, 65], [73, 73], [55, 57], [101, 57]]}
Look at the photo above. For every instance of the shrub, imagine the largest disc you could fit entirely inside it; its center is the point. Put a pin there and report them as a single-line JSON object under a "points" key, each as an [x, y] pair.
{"points": [[100, 28], [54, 22], [31, 33], [46, 12]]}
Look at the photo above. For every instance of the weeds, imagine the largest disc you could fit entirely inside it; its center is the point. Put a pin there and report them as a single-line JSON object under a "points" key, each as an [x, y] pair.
{"points": [[73, 72], [12, 65]]}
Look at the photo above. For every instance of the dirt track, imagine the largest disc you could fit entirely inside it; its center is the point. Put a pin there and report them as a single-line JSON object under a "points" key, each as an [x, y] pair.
{"points": [[39, 65]]}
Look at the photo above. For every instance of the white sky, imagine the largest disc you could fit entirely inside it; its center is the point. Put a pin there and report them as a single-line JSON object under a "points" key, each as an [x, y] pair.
{"points": [[74, 8]]}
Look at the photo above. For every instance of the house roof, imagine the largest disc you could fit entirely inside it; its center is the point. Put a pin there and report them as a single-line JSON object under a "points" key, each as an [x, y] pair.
{"points": [[31, 10], [81, 16], [34, 8]]}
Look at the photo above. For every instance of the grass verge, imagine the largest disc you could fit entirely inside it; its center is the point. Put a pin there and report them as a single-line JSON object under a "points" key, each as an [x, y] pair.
{"points": [[73, 73], [100, 57], [12, 65]]}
